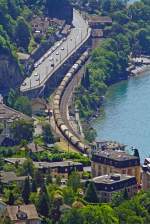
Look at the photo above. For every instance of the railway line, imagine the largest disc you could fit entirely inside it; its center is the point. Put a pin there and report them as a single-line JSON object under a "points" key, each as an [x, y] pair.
{"points": [[60, 105]]}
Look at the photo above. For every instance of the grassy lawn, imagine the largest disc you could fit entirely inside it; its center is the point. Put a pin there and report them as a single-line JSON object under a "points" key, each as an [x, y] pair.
{"points": [[63, 145]]}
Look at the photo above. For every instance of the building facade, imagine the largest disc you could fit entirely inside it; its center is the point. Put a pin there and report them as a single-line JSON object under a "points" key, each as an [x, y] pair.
{"points": [[7, 117], [146, 174], [115, 161], [107, 185]]}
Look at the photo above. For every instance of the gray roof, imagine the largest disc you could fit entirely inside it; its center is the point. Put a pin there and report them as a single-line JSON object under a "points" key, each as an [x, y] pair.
{"points": [[118, 155], [55, 164], [109, 179], [15, 160], [11, 114], [7, 177], [30, 210]]}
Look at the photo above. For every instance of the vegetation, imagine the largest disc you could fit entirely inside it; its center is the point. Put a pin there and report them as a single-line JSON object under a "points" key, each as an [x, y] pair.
{"points": [[130, 33], [22, 130]]}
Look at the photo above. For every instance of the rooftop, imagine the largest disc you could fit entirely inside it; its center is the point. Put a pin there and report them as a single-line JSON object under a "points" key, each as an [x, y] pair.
{"points": [[15, 160], [29, 210], [99, 19], [66, 163], [117, 155], [11, 114], [112, 178], [6, 177]]}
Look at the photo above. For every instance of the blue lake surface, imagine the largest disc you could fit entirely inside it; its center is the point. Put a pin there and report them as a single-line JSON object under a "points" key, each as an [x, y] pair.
{"points": [[125, 116]]}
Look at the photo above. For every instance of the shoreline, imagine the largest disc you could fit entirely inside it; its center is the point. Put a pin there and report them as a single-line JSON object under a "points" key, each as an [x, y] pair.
{"points": [[137, 71]]}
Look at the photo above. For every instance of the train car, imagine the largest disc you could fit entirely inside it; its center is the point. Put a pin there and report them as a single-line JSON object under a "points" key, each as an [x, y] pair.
{"points": [[58, 92], [69, 75], [57, 118], [68, 134], [55, 107], [81, 146], [57, 97], [79, 62], [66, 81], [60, 88], [63, 128], [59, 123], [74, 140], [63, 82], [71, 71], [56, 111]]}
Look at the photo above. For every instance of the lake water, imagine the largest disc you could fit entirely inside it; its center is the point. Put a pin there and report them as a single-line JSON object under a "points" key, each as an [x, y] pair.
{"points": [[125, 116]]}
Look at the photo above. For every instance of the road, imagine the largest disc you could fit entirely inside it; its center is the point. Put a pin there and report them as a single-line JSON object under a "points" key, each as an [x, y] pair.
{"points": [[59, 53]]}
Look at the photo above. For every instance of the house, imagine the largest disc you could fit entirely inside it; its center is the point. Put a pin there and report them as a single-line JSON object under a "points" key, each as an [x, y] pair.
{"points": [[99, 22], [14, 161], [7, 117], [107, 145], [146, 174], [40, 24], [39, 106], [108, 161], [23, 214], [107, 185], [63, 168], [7, 178]]}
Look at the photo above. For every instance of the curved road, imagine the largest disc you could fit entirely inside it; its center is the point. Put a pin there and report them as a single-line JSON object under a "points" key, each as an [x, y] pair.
{"points": [[64, 49]]}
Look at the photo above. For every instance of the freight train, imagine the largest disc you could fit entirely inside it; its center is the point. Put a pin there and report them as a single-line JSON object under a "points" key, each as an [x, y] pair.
{"points": [[74, 140]]}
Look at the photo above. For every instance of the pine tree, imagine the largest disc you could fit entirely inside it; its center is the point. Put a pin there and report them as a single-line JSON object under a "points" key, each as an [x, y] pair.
{"points": [[85, 82], [43, 206], [34, 186], [48, 136], [91, 194], [26, 191], [125, 194], [11, 199], [49, 179]]}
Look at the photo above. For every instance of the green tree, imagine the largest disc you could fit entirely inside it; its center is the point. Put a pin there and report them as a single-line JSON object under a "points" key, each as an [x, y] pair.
{"points": [[22, 129], [43, 206], [91, 194], [26, 191], [74, 181], [27, 168], [34, 186], [22, 33], [48, 136], [23, 104], [11, 199]]}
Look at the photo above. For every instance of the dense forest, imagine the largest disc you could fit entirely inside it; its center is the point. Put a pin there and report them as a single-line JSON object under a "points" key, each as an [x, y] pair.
{"points": [[16, 34], [130, 33]]}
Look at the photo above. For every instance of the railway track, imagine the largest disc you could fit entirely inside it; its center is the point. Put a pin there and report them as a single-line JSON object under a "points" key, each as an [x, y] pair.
{"points": [[60, 104]]}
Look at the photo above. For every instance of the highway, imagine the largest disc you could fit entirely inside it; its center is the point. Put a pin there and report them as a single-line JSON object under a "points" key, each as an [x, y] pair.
{"points": [[58, 54]]}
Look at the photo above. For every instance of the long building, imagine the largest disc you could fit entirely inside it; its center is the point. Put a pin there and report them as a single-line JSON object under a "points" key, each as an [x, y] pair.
{"points": [[109, 161], [107, 185]]}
